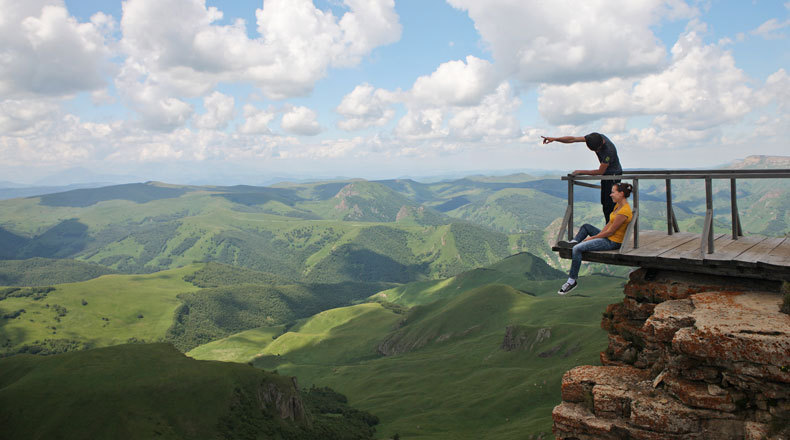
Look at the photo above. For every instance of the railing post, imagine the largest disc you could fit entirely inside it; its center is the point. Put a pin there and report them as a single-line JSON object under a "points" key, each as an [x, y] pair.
{"points": [[707, 230], [670, 214], [636, 209], [570, 206], [736, 218]]}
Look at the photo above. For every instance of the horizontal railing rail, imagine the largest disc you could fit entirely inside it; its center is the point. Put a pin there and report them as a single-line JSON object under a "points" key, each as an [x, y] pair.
{"points": [[707, 236]]}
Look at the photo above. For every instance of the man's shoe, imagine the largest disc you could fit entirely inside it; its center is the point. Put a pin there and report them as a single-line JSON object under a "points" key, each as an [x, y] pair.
{"points": [[567, 287]]}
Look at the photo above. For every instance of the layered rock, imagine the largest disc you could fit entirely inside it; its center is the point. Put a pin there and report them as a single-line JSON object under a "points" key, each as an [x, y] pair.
{"points": [[689, 357]]}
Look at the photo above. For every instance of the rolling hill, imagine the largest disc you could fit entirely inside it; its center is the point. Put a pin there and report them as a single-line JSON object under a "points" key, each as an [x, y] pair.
{"points": [[153, 391], [478, 355]]}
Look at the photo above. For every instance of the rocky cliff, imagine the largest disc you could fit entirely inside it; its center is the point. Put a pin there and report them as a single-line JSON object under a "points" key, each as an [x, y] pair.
{"points": [[689, 357]]}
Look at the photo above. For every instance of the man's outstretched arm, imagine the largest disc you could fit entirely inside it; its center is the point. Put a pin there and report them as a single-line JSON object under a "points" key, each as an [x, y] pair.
{"points": [[563, 139]]}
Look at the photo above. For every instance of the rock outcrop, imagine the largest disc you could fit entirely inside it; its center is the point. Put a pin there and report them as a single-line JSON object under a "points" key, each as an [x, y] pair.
{"points": [[689, 357]]}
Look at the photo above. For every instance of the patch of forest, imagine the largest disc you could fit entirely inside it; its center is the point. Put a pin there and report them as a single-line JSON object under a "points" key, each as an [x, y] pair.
{"points": [[46, 271]]}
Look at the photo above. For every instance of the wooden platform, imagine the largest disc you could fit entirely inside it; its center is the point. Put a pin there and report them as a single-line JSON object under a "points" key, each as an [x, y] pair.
{"points": [[751, 256]]}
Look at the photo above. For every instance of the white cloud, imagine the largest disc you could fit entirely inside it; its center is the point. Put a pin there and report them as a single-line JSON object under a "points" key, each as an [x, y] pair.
{"points": [[770, 30], [366, 106], [219, 111], [701, 88], [25, 116], [302, 121], [422, 124], [566, 41], [776, 90], [171, 59], [46, 52], [256, 121], [494, 119], [455, 83]]}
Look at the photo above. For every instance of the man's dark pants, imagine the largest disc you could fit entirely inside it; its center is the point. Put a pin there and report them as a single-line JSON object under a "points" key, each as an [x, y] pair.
{"points": [[606, 200]]}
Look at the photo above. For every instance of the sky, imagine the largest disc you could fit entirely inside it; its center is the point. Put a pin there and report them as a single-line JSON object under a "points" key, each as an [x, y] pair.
{"points": [[232, 92]]}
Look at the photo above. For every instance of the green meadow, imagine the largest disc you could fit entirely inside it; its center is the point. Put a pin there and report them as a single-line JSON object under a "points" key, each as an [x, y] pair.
{"points": [[107, 310]]}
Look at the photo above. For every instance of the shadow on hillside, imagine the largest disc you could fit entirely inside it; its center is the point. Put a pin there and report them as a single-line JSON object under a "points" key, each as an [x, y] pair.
{"points": [[63, 240], [353, 263]]}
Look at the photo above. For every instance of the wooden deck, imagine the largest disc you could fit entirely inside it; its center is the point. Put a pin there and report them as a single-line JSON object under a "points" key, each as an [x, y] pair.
{"points": [[751, 256]]}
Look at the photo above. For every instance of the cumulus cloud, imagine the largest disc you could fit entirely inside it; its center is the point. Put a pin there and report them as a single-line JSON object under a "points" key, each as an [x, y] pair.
{"points": [[700, 88], [46, 52], [493, 119], [24, 116], [422, 124], [256, 121], [301, 120], [187, 57], [219, 111], [366, 106], [567, 41], [456, 83]]}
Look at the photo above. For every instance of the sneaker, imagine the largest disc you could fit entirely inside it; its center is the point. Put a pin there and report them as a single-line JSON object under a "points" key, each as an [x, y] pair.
{"points": [[567, 287], [567, 244]]}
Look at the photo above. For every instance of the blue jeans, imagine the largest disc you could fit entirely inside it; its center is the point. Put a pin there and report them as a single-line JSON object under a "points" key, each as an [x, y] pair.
{"points": [[596, 244]]}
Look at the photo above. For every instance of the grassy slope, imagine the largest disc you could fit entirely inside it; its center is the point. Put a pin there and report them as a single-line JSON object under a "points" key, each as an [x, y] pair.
{"points": [[120, 299], [128, 391], [460, 384], [453, 380], [153, 391]]}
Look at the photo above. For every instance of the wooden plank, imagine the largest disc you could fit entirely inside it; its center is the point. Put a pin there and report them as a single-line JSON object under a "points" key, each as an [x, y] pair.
{"points": [[649, 239], [646, 238], [689, 251], [732, 248], [669, 242], [779, 256], [758, 251]]}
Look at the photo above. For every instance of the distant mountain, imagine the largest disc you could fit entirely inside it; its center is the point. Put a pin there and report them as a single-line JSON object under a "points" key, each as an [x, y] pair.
{"points": [[16, 191], [760, 162], [322, 233], [331, 231]]}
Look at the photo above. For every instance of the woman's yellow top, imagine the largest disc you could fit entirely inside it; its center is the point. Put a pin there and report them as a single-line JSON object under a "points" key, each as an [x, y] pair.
{"points": [[619, 234]]}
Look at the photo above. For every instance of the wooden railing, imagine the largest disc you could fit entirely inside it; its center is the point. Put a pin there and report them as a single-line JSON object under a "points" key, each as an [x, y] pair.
{"points": [[707, 236]]}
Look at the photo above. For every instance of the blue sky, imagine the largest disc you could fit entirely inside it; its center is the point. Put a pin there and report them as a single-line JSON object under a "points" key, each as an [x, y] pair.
{"points": [[209, 91]]}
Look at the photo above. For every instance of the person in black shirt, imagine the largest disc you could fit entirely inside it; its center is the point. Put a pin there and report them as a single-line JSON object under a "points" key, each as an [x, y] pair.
{"points": [[607, 157]]}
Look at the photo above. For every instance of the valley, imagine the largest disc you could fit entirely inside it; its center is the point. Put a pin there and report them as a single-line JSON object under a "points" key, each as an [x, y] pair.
{"points": [[431, 306]]}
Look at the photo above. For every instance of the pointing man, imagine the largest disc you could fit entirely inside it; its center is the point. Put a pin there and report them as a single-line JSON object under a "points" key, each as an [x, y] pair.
{"points": [[607, 157]]}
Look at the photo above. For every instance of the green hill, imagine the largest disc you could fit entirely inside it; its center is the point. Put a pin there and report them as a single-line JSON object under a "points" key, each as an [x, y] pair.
{"points": [[188, 306], [153, 391], [214, 313], [44, 271], [327, 231], [486, 363], [320, 233], [108, 310], [478, 355]]}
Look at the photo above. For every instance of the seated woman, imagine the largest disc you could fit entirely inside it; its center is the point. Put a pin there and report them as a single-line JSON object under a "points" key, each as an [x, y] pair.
{"points": [[591, 238]]}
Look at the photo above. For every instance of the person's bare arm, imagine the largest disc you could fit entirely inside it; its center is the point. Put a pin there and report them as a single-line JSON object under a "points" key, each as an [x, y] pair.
{"points": [[563, 139], [601, 169]]}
